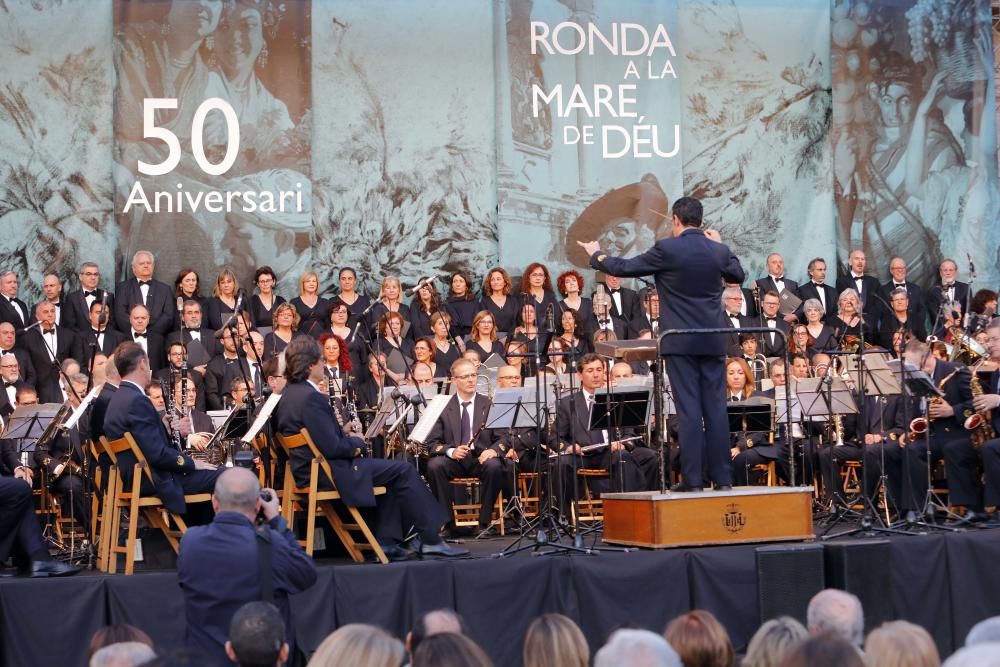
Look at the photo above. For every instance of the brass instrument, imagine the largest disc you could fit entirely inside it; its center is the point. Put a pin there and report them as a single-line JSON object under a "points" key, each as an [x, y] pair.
{"points": [[838, 431], [919, 425], [45, 440], [979, 422], [965, 348]]}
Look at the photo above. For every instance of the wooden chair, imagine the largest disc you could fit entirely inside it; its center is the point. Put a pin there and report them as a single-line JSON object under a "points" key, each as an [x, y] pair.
{"points": [[325, 501], [589, 507], [467, 514], [47, 506], [131, 499], [769, 472], [529, 491]]}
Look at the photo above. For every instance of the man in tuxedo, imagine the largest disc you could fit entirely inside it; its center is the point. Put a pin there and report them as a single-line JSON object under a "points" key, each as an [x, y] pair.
{"points": [[731, 299], [48, 346], [172, 373], [12, 309], [917, 308], [454, 453], [606, 321], [748, 305], [76, 304], [775, 279], [630, 466], [816, 288], [65, 455], [625, 303], [10, 376], [175, 474], [689, 269], [8, 344], [97, 337], [773, 345], [407, 501], [650, 313], [948, 289], [218, 370], [150, 341], [100, 405], [143, 290], [193, 332], [866, 286], [52, 289]]}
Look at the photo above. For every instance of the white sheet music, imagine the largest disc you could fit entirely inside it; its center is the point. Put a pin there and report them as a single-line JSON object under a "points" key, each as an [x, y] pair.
{"points": [[423, 427], [262, 417]]}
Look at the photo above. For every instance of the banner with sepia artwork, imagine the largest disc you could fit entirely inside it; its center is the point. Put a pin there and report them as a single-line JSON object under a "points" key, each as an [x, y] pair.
{"points": [[415, 137]]}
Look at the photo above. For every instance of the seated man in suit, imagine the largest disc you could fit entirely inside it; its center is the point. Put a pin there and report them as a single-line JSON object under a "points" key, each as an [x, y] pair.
{"points": [[64, 461], [174, 473], [631, 465], [172, 373], [460, 446], [407, 501]]}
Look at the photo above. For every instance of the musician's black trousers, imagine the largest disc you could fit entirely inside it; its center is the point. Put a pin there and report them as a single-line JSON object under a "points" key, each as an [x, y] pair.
{"points": [[494, 475]]}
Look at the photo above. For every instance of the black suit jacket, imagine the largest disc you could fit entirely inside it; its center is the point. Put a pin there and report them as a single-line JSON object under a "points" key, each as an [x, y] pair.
{"points": [[196, 383], [767, 284], [98, 409], [302, 406], [809, 290], [130, 410], [155, 348], [918, 301], [24, 365], [935, 297], [47, 373], [777, 348], [6, 407], [9, 314], [88, 342], [160, 303], [207, 339], [76, 315], [869, 286], [447, 430], [631, 304]]}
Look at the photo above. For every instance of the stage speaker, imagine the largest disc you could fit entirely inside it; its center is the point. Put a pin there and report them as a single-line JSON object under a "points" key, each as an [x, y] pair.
{"points": [[861, 567], [788, 575]]}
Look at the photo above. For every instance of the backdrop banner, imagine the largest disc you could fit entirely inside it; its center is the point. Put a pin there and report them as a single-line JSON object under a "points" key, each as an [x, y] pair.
{"points": [[414, 138]]}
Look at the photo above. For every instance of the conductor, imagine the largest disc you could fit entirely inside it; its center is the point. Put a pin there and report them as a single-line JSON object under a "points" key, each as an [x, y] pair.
{"points": [[689, 270]]}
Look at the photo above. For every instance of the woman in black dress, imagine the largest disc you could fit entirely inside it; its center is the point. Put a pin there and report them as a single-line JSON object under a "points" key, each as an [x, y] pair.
{"points": [[447, 350], [390, 301], [496, 298], [187, 285], [310, 306], [461, 305], [822, 334], [536, 283], [425, 303], [356, 303], [390, 337], [483, 337], [570, 285], [526, 332], [573, 333], [340, 324], [263, 303], [284, 324], [222, 303], [848, 324]]}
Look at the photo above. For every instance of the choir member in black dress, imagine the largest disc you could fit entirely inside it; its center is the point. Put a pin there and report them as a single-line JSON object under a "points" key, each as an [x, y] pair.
{"points": [[848, 323], [483, 337], [574, 333], [536, 283], [570, 285], [527, 332], [461, 305], [356, 303], [497, 287], [423, 353], [222, 303], [340, 325], [390, 337], [390, 300], [263, 303], [311, 307], [425, 303], [447, 350], [822, 334], [187, 285], [284, 325]]}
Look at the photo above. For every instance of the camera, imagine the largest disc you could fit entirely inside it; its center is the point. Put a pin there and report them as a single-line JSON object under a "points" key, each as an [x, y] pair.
{"points": [[265, 495]]}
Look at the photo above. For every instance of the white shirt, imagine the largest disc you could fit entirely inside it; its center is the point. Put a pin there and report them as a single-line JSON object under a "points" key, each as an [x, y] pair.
{"points": [[51, 342], [11, 394], [858, 282], [472, 417], [17, 308], [142, 342], [144, 290], [779, 282], [822, 294], [195, 334]]}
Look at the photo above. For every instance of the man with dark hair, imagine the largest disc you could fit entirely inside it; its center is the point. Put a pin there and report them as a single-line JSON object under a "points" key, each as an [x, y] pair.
{"points": [[431, 623], [171, 373], [237, 559], [816, 288], [175, 474], [79, 302], [257, 636], [94, 335], [304, 406], [689, 270]]}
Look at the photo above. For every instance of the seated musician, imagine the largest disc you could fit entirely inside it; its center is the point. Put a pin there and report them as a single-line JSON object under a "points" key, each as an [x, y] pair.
{"points": [[407, 501], [989, 400], [755, 361], [521, 441], [129, 411], [631, 465], [748, 449], [459, 445], [64, 462], [172, 373]]}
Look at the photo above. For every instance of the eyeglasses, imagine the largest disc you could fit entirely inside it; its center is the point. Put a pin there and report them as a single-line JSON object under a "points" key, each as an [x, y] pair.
{"points": [[464, 377], [91, 274]]}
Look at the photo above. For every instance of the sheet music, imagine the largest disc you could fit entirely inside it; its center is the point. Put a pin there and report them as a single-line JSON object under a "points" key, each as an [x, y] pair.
{"points": [[262, 417], [428, 418], [84, 404]]}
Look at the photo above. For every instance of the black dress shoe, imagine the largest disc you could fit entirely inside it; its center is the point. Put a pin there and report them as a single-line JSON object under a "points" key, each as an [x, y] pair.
{"points": [[395, 553], [681, 487], [52, 568], [442, 549], [724, 487]]}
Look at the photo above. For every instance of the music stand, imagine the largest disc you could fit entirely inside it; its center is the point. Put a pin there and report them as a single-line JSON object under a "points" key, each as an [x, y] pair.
{"points": [[27, 424], [754, 415]]}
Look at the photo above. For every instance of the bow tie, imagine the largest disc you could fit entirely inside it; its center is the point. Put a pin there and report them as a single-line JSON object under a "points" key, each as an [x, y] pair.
{"points": [[49, 331], [615, 291], [856, 278], [948, 285], [903, 285], [86, 293], [9, 384], [778, 278], [818, 285], [770, 319], [733, 315], [143, 282], [138, 335], [98, 332]]}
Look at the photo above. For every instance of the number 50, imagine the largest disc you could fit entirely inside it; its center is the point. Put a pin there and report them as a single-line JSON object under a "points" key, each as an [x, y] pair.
{"points": [[151, 131]]}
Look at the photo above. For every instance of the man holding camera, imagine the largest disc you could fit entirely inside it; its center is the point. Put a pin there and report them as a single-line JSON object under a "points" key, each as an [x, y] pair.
{"points": [[247, 553]]}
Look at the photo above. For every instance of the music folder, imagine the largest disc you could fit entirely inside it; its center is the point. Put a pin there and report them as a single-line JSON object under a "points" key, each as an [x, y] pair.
{"points": [[789, 302]]}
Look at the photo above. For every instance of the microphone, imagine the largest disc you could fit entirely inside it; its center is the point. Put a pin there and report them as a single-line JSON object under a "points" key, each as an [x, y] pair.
{"points": [[221, 332], [550, 320], [103, 319], [239, 300], [420, 284], [30, 327], [972, 267]]}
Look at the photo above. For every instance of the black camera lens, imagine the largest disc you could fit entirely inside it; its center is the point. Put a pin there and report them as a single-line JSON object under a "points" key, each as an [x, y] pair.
{"points": [[265, 495]]}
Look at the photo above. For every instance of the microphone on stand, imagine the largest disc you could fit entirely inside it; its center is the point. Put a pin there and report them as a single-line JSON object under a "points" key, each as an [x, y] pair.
{"points": [[423, 282], [30, 327]]}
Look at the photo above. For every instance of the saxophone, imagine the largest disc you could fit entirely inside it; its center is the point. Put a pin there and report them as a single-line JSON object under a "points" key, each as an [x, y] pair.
{"points": [[919, 425], [838, 431], [979, 423]]}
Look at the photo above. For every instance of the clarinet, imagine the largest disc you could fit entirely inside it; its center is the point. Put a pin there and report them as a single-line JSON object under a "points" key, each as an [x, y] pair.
{"points": [[345, 426], [171, 410]]}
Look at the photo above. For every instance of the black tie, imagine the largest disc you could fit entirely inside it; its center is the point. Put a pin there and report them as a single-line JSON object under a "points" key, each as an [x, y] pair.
{"points": [[48, 331], [466, 433], [613, 291], [86, 294], [9, 384], [139, 335], [143, 282]]}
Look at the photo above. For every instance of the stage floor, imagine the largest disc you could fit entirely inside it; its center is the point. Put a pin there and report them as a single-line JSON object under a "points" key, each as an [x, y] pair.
{"points": [[945, 582]]}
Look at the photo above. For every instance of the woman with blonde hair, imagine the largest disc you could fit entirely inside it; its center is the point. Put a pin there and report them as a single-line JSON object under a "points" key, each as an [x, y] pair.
{"points": [[390, 300], [310, 306], [772, 641], [900, 644], [554, 639], [284, 326], [359, 645], [483, 337], [222, 303]]}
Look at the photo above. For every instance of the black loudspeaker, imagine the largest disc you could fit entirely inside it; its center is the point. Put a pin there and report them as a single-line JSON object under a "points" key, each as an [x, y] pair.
{"points": [[861, 567], [788, 575]]}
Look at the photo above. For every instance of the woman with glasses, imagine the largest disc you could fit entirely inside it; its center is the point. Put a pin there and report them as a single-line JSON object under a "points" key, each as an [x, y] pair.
{"points": [[263, 303]]}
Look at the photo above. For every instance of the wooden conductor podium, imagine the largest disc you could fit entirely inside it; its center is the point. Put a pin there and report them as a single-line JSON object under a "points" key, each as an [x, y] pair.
{"points": [[745, 514]]}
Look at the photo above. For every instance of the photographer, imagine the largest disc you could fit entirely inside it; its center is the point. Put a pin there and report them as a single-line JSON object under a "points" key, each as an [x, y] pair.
{"points": [[247, 553]]}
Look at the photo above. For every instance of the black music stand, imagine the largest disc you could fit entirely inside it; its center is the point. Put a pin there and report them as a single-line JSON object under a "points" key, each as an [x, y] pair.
{"points": [[753, 415], [27, 424]]}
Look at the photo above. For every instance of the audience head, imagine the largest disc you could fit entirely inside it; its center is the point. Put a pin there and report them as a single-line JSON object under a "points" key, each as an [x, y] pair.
{"points": [[116, 634], [554, 639], [449, 649], [900, 644], [257, 636], [823, 650], [986, 654], [636, 648], [700, 640], [838, 613], [123, 654], [772, 642], [987, 630], [359, 645], [432, 623]]}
